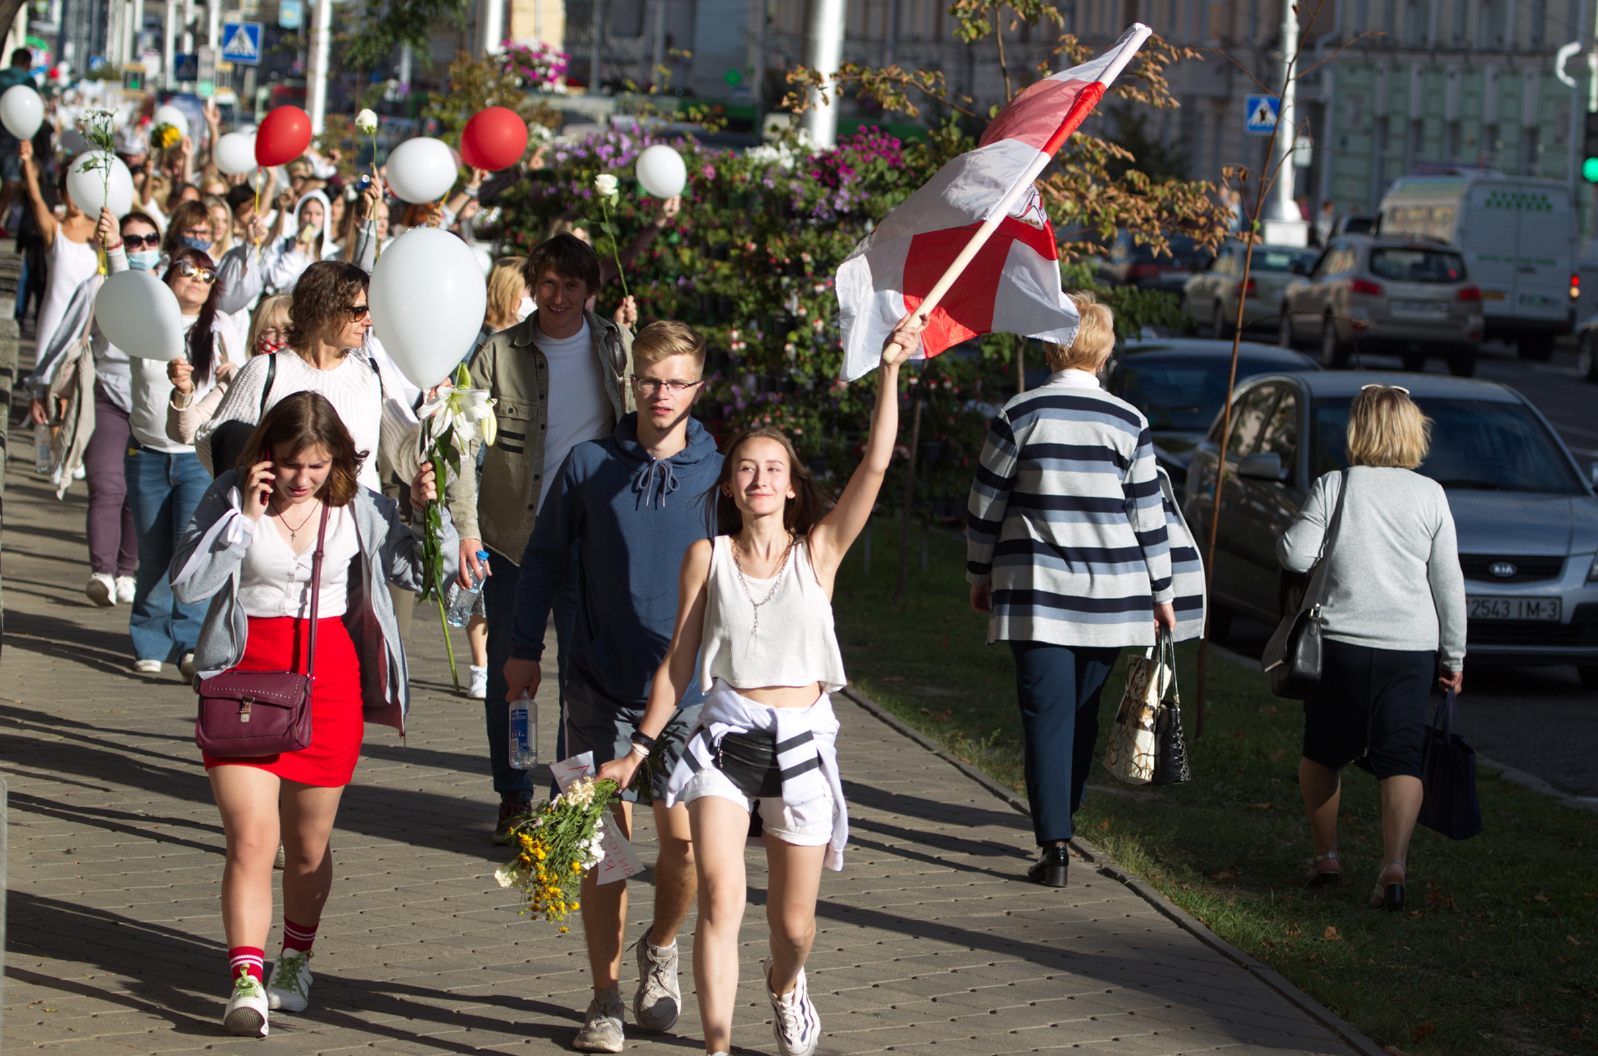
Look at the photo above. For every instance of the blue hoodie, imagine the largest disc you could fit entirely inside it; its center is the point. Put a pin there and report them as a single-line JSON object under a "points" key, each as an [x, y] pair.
{"points": [[626, 519]]}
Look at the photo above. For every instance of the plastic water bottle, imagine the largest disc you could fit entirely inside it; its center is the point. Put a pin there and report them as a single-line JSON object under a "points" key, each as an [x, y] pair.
{"points": [[466, 600], [524, 732], [41, 449]]}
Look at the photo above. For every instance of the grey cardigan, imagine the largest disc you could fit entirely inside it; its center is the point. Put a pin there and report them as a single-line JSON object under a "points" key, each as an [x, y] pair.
{"points": [[390, 552], [1394, 577]]}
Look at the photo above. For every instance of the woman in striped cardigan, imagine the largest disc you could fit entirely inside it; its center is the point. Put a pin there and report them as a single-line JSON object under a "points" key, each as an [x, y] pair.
{"points": [[1066, 549]]}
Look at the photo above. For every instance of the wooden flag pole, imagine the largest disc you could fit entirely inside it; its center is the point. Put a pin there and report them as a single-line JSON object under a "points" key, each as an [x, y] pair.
{"points": [[1085, 102]]}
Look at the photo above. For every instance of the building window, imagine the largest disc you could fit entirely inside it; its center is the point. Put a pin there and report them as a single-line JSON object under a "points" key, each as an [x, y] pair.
{"points": [[1530, 151], [1539, 22], [1460, 10], [1490, 25], [1451, 144]]}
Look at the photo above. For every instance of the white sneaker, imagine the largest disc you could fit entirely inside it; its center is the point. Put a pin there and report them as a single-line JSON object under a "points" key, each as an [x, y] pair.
{"points": [[659, 997], [101, 589], [795, 1023], [147, 667], [602, 1027], [186, 666], [478, 690], [127, 587], [79, 473], [289, 988], [246, 1009]]}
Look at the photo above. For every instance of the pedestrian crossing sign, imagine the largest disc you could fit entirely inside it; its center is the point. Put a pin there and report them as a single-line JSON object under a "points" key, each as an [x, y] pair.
{"points": [[241, 43], [1260, 113]]}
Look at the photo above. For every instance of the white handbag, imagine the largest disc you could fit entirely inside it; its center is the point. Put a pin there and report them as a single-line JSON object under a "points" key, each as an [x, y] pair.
{"points": [[1133, 748]]}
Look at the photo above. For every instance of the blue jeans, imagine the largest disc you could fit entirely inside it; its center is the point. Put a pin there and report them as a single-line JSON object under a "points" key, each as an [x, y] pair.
{"points": [[499, 605], [163, 489], [1058, 687]]}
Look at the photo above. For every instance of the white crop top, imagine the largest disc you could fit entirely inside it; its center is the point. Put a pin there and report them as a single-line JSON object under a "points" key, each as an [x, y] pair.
{"points": [[275, 581], [794, 644]]}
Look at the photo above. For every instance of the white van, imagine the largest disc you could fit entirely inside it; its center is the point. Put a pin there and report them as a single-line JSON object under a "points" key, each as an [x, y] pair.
{"points": [[1519, 238]]}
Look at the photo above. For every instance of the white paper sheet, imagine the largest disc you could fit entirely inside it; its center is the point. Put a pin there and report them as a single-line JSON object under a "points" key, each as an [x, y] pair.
{"points": [[620, 860]]}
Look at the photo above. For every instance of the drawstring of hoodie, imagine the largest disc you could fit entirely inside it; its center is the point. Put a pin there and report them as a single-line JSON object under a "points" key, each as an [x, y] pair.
{"points": [[650, 483]]}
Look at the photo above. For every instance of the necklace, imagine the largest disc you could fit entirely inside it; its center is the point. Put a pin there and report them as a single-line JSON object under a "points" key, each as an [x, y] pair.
{"points": [[776, 580], [294, 529]]}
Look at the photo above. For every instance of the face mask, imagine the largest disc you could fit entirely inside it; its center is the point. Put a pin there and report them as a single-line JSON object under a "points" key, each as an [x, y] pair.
{"points": [[200, 244], [524, 309], [266, 348], [144, 259]]}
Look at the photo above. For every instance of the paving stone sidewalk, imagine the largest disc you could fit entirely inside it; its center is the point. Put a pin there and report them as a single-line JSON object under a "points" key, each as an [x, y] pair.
{"points": [[929, 942]]}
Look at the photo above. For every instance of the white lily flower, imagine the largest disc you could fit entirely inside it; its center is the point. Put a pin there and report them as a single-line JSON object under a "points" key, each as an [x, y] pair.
{"points": [[470, 412], [366, 121], [511, 874], [606, 184]]}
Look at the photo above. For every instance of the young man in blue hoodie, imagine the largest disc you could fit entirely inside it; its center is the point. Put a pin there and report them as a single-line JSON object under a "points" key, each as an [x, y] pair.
{"points": [[624, 510]]}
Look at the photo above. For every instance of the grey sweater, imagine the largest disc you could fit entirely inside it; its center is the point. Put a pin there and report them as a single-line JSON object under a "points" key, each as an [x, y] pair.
{"points": [[1394, 579]]}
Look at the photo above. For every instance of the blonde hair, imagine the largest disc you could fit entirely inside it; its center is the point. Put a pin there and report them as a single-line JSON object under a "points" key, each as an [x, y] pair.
{"points": [[272, 311], [666, 338], [1385, 428], [1095, 337], [505, 285]]}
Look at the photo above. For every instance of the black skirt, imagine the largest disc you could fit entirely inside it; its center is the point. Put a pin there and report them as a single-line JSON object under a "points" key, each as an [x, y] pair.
{"points": [[1370, 708]]}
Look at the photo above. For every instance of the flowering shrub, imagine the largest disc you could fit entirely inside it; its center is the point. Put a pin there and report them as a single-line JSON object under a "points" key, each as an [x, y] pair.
{"points": [[538, 66]]}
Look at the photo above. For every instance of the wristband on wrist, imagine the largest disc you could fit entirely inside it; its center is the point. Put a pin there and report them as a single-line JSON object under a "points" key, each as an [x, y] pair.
{"points": [[642, 740], [640, 751]]}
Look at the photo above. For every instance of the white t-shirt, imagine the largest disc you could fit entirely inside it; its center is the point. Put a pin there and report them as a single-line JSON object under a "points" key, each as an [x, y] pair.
{"points": [[275, 581], [579, 407], [152, 389]]}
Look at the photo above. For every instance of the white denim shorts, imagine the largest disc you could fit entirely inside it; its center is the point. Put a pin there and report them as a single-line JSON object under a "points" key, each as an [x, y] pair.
{"points": [[776, 817]]}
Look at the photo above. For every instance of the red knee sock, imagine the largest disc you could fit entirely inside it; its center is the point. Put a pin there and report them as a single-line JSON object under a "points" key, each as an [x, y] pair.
{"points": [[297, 936], [245, 959]]}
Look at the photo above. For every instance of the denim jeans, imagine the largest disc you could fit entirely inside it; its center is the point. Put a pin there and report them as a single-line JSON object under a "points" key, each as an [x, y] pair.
{"points": [[499, 604], [1058, 688], [165, 489]]}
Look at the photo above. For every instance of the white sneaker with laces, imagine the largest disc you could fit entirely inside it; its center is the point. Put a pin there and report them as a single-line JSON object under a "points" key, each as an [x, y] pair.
{"points": [[289, 988], [658, 1001], [126, 588], [247, 1008], [795, 1022], [101, 589], [147, 667], [478, 690], [602, 1027]]}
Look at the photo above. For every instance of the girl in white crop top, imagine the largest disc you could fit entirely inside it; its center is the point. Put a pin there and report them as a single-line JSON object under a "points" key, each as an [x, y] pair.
{"points": [[756, 601]]}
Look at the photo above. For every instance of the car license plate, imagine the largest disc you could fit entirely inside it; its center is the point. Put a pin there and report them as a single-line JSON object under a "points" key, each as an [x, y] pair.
{"points": [[1537, 300], [1512, 608], [1428, 308]]}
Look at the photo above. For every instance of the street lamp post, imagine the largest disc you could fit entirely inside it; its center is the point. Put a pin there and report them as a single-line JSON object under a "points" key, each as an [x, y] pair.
{"points": [[824, 54], [316, 71], [1283, 224]]}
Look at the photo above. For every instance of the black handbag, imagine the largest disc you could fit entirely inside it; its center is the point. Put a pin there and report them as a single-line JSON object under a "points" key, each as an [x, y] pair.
{"points": [[750, 762], [1170, 746], [1448, 775], [1293, 655], [228, 439]]}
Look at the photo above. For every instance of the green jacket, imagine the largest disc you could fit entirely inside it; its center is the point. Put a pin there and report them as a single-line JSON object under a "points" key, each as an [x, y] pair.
{"points": [[501, 509]]}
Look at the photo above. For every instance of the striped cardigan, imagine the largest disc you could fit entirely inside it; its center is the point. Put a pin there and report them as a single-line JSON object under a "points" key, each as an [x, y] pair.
{"points": [[1066, 519]]}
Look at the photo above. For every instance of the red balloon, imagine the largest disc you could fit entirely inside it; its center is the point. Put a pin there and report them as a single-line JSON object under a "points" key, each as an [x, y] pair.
{"points": [[494, 139], [284, 135]]}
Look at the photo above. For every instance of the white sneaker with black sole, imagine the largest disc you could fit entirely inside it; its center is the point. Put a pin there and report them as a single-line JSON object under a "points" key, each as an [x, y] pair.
{"points": [[658, 1001], [794, 1020], [247, 1008], [289, 988]]}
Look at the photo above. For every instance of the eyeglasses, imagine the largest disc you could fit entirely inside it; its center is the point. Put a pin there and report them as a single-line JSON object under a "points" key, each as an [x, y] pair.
{"points": [[188, 270], [652, 386], [1375, 385], [269, 333], [202, 233], [357, 311], [139, 241]]}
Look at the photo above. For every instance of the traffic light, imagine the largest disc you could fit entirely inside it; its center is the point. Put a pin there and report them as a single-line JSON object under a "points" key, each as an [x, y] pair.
{"points": [[1589, 150]]}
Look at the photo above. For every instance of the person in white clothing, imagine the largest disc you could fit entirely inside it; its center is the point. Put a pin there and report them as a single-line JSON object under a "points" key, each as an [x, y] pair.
{"points": [[755, 604], [72, 259], [165, 479]]}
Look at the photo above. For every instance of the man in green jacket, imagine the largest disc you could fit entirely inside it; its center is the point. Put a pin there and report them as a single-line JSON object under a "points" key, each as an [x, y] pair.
{"points": [[558, 378]]}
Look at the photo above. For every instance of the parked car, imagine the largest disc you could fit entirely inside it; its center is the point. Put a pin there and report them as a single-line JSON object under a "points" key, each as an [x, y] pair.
{"points": [[1180, 384], [1126, 264], [1211, 296], [1518, 236], [1356, 224], [1389, 296], [1526, 518], [1587, 350]]}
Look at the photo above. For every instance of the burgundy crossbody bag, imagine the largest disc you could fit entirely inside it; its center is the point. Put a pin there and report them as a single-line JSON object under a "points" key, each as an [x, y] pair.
{"points": [[248, 713]]}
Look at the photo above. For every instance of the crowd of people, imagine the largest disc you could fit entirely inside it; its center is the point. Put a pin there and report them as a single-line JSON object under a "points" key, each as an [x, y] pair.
{"points": [[256, 503]]}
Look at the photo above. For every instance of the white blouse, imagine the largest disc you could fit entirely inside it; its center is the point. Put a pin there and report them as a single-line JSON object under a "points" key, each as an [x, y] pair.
{"points": [[275, 581]]}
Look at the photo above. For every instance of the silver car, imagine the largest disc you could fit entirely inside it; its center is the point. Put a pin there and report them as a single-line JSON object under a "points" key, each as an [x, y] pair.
{"points": [[1386, 296], [1526, 520], [1211, 296]]}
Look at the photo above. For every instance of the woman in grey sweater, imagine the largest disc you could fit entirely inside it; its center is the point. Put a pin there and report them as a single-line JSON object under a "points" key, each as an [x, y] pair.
{"points": [[1395, 600]]}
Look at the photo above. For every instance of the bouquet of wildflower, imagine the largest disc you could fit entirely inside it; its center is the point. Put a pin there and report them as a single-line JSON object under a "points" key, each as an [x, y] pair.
{"points": [[96, 127], [556, 846], [164, 135], [539, 66], [453, 417]]}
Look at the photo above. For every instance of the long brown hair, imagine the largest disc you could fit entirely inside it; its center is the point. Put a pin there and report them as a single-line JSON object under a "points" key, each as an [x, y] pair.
{"points": [[201, 342], [304, 420], [799, 514]]}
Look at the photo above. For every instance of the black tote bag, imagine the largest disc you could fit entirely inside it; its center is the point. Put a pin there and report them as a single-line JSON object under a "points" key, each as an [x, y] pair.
{"points": [[1448, 774]]}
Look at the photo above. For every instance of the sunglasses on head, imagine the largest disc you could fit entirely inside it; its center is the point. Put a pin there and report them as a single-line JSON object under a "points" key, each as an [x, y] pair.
{"points": [[1395, 388], [189, 270], [151, 240]]}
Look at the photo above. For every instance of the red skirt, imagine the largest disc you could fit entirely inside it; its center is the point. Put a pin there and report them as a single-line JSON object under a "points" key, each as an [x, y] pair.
{"points": [[336, 719]]}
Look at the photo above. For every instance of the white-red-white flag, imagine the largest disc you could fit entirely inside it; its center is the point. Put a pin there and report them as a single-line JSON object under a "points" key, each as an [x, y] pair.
{"points": [[1012, 284]]}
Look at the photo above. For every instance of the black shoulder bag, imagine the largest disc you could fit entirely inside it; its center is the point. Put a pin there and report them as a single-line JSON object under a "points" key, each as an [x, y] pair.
{"points": [[1293, 655], [229, 438]]}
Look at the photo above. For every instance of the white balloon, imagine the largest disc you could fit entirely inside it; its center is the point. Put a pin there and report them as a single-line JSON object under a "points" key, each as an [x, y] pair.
{"points": [[662, 172], [421, 169], [139, 314], [485, 260], [234, 153], [171, 115], [21, 111], [428, 297], [88, 186]]}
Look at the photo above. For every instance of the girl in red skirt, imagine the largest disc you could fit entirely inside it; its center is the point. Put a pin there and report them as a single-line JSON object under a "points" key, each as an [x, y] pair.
{"points": [[249, 549]]}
